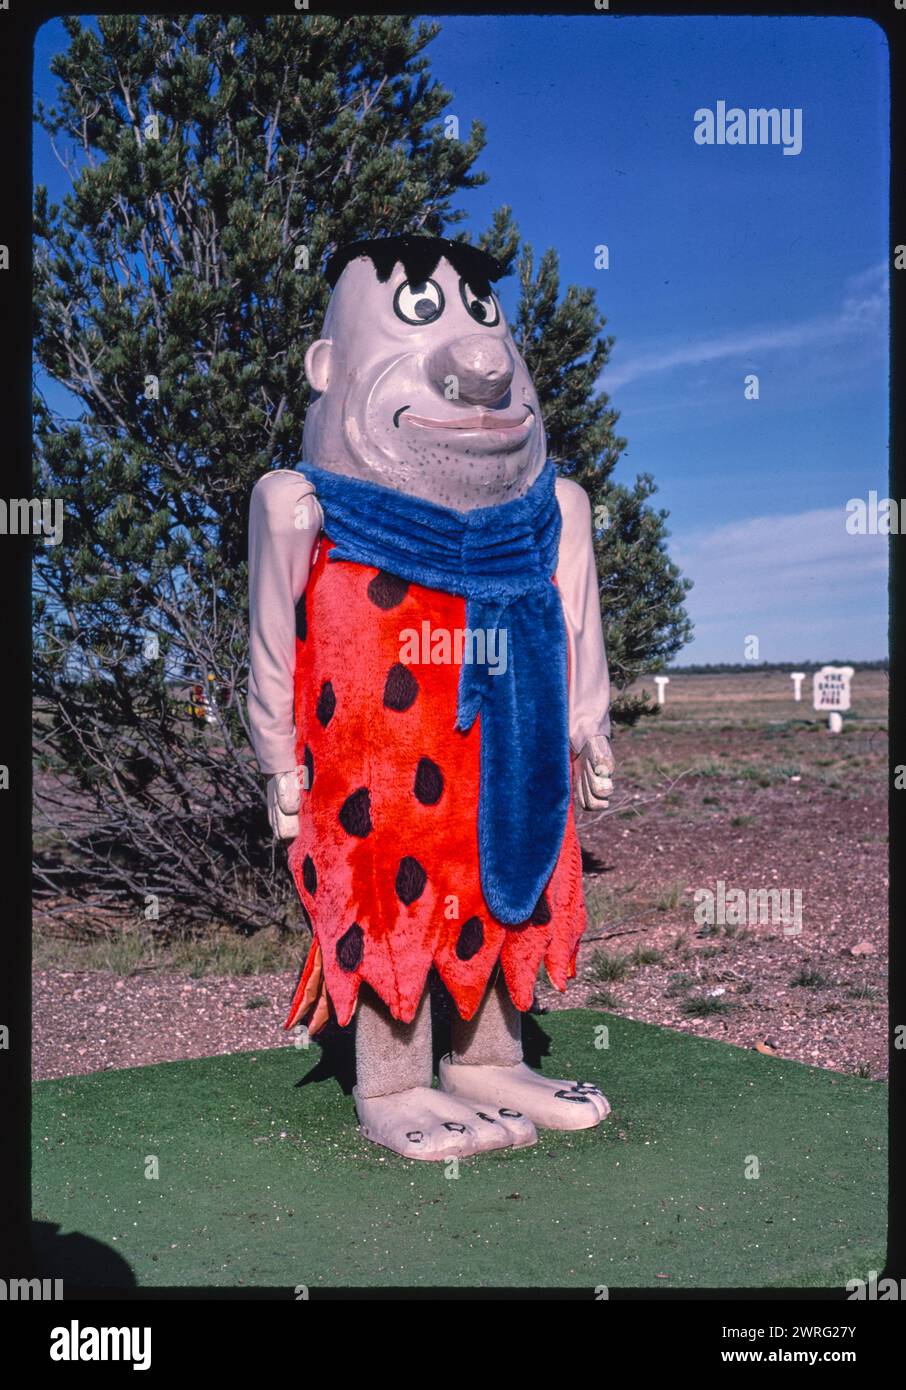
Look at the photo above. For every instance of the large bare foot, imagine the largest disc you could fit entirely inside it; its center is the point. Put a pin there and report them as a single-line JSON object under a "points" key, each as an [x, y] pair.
{"points": [[548, 1103], [425, 1123]]}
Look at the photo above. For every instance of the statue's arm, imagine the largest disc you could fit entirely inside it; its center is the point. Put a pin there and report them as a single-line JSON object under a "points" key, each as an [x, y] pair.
{"points": [[589, 682], [284, 523]]}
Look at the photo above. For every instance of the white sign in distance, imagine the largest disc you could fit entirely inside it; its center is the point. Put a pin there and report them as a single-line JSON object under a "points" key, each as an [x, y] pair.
{"points": [[831, 688]]}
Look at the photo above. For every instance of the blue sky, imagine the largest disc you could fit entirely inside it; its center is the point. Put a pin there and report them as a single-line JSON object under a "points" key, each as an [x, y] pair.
{"points": [[724, 261]]}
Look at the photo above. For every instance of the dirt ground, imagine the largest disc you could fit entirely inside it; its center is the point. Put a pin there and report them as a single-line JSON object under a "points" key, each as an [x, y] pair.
{"points": [[734, 783]]}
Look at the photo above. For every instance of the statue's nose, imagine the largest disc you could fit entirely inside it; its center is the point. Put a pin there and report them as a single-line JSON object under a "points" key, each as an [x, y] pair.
{"points": [[481, 365]]}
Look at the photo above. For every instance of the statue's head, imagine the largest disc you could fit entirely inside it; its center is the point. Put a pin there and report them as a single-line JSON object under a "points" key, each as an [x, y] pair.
{"points": [[417, 382]]}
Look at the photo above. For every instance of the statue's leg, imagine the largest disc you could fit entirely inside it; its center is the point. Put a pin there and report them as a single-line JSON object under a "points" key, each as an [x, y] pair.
{"points": [[493, 1036], [396, 1103], [486, 1067]]}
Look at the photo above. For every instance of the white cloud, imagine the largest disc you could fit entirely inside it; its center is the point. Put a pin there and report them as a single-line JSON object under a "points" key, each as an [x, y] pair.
{"points": [[797, 581], [863, 311]]}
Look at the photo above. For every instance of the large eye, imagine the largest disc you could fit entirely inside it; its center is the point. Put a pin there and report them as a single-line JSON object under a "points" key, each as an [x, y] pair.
{"points": [[482, 310], [419, 303]]}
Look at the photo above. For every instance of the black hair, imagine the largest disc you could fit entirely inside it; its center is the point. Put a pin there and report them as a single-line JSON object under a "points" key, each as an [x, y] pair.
{"points": [[419, 256]]}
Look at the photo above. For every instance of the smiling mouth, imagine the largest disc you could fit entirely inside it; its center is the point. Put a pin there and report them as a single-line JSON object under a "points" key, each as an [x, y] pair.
{"points": [[483, 420]]}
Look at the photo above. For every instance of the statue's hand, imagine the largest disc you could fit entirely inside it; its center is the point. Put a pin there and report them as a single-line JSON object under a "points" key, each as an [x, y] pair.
{"points": [[284, 797], [594, 766]]}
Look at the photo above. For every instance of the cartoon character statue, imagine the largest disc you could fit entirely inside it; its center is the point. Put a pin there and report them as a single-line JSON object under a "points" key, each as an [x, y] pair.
{"points": [[428, 688]]}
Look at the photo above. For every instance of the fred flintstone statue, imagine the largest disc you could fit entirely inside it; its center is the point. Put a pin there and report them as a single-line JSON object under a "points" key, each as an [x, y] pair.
{"points": [[428, 689]]}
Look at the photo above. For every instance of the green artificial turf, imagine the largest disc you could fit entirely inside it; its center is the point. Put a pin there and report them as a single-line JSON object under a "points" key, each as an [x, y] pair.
{"points": [[265, 1181]]}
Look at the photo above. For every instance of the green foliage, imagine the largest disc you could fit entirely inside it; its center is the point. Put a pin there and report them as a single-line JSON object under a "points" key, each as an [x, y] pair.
{"points": [[810, 979], [646, 955], [729, 668], [703, 1005], [678, 984], [608, 966]]}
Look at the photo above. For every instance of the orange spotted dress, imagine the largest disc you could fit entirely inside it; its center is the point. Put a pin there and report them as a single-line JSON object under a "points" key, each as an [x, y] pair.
{"points": [[386, 859]]}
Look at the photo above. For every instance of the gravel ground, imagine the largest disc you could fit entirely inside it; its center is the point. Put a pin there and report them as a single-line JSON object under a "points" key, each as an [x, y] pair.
{"points": [[88, 1020], [821, 829]]}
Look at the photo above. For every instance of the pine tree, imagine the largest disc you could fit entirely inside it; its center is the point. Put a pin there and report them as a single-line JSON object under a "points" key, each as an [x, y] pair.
{"points": [[215, 163]]}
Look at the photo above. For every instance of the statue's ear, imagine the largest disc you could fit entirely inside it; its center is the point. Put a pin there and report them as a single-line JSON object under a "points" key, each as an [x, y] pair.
{"points": [[317, 364]]}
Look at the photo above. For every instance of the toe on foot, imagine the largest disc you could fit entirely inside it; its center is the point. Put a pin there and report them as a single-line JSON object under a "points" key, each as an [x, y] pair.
{"points": [[519, 1129], [585, 1104]]}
